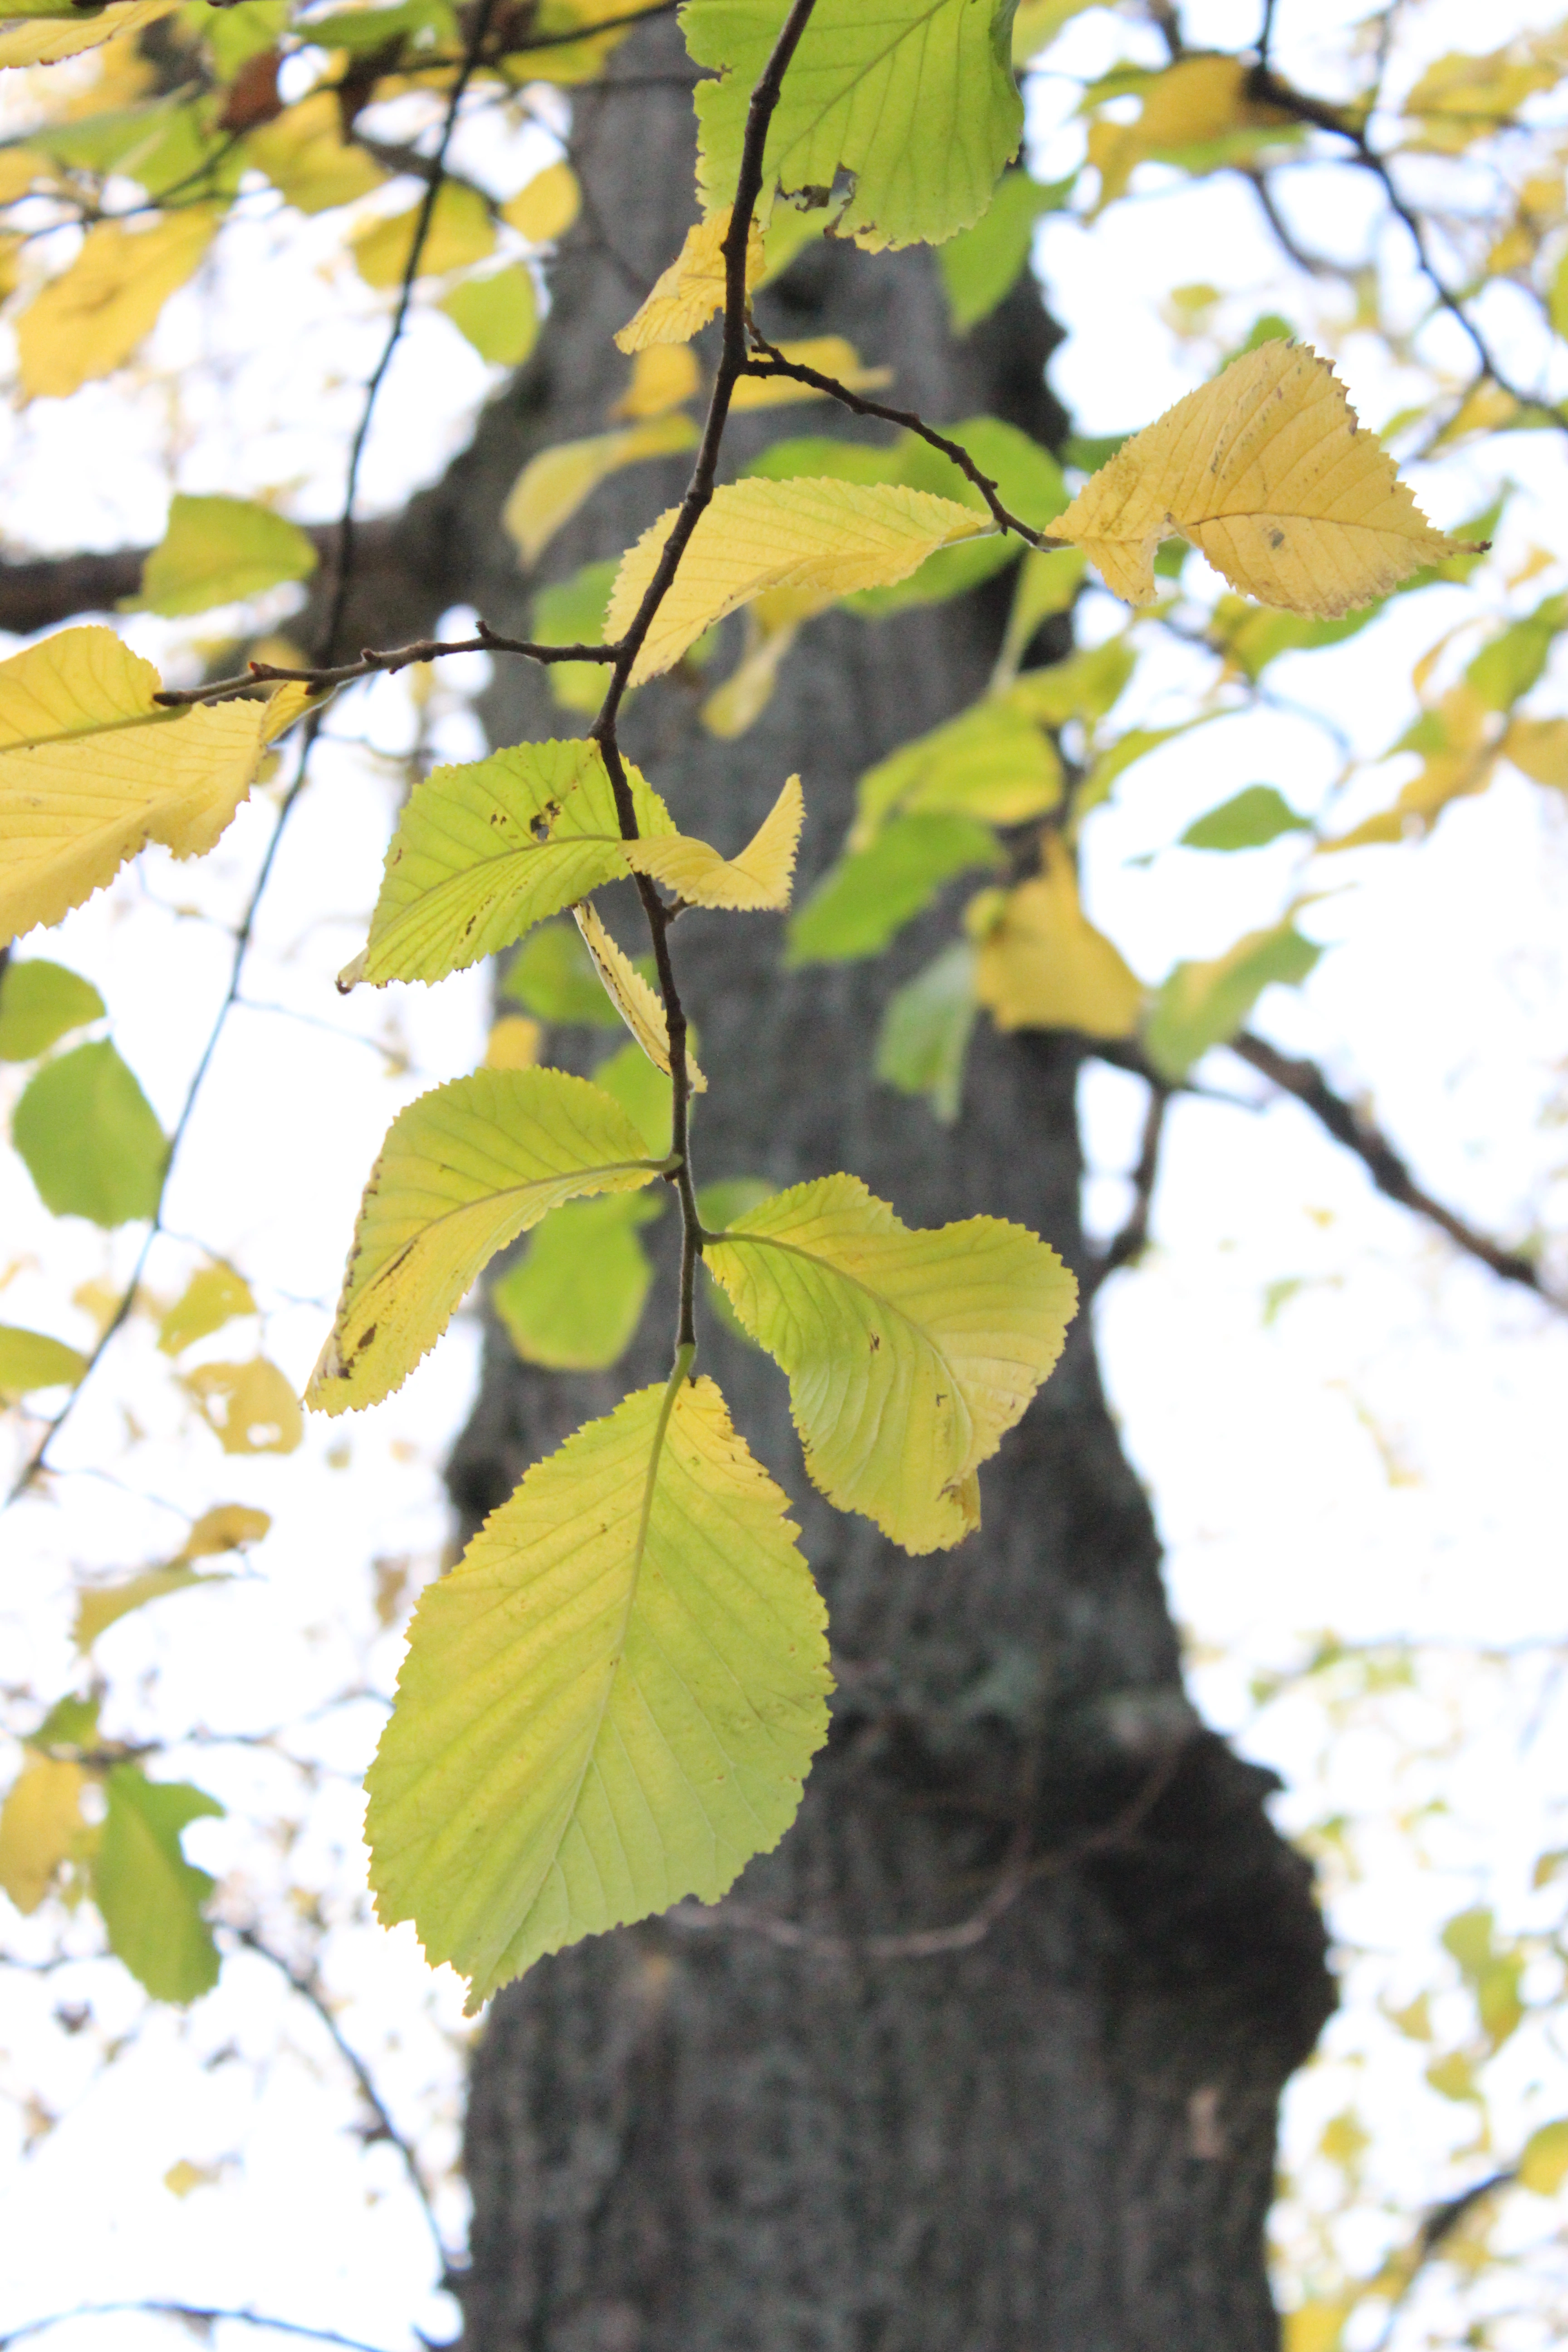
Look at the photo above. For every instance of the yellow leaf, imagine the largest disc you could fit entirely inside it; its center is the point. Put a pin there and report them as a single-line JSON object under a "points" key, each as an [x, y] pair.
{"points": [[305, 156], [759, 877], [211, 1298], [552, 486], [664, 377], [827, 535], [45, 41], [459, 233], [251, 1408], [547, 207], [181, 2178], [464, 1170], [692, 289], [514, 1043], [40, 1822], [1458, 761], [828, 354], [91, 769], [1266, 470], [87, 322], [1045, 966], [19, 171], [909, 1354], [773, 621], [1544, 2165], [97, 1610], [227, 1527], [1539, 746], [1198, 99], [633, 999], [610, 1703], [1315, 2327]]}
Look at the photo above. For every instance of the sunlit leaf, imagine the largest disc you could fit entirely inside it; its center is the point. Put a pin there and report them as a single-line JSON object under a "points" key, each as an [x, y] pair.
{"points": [[1041, 963], [307, 158], [992, 762], [860, 903], [981, 265], [552, 486], [1544, 2160], [150, 1896], [45, 42], [211, 1298], [460, 233], [1540, 747], [546, 209], [555, 976], [1192, 103], [1246, 820], [925, 1031], [685, 295], [41, 1826], [1202, 1004], [638, 1004], [227, 1527], [514, 1043], [831, 355], [498, 314], [31, 1360], [40, 1002], [251, 1408], [758, 876], [97, 1609], [664, 376], [90, 1139], [87, 322], [217, 550], [575, 1299]]}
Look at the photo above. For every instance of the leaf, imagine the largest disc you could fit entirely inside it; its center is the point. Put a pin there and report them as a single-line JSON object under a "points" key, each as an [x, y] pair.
{"points": [[73, 810], [992, 762], [552, 486], [211, 1298], [546, 209], [1266, 470], [861, 902], [828, 354], [1042, 964], [150, 1896], [464, 1170], [610, 1703], [251, 1408], [41, 1826], [925, 1032], [915, 98], [644, 1093], [31, 1360], [1031, 485], [306, 159], [97, 1610], [687, 295], [89, 1140], [981, 265], [1049, 583], [498, 314], [218, 550], [909, 1354], [1459, 742], [1543, 2162], [1536, 746], [227, 1527], [638, 1005], [1509, 664], [515, 1042], [45, 43], [664, 376], [87, 322], [1192, 104], [459, 234], [555, 976], [481, 852], [759, 877], [40, 1002], [758, 534], [575, 61], [572, 612], [1246, 820], [1202, 1004], [574, 1301]]}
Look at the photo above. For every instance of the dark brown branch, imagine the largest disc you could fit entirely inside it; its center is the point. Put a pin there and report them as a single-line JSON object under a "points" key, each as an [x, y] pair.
{"points": [[1436, 2227], [372, 665], [1129, 1244]]}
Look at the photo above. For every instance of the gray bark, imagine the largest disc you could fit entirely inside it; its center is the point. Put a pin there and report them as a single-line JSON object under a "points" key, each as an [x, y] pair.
{"points": [[1060, 2139]]}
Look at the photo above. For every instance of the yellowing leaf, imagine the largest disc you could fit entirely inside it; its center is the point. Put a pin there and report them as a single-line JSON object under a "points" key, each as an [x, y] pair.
{"points": [[1042, 965], [552, 486], [1543, 2164], [1459, 744], [211, 1298], [1202, 1004], [514, 1043], [832, 536], [484, 851], [251, 1408], [686, 295], [459, 233], [1540, 747], [464, 1170], [547, 207], [773, 621], [227, 1527], [499, 315], [831, 355], [992, 762], [96, 1610], [759, 877], [40, 1002], [40, 1824], [306, 159], [1315, 2327], [87, 322], [31, 1360], [45, 41], [1266, 470], [215, 551], [909, 1354], [664, 376], [1191, 103], [610, 1703], [574, 1301], [638, 1005], [72, 811], [180, 2178]]}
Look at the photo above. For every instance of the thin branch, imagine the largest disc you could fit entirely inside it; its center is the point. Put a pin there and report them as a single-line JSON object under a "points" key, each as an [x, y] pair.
{"points": [[1128, 1247], [1436, 2227], [193, 2315], [371, 664]]}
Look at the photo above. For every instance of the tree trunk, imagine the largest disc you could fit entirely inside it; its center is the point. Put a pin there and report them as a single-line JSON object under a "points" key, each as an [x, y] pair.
{"points": [[760, 2128]]}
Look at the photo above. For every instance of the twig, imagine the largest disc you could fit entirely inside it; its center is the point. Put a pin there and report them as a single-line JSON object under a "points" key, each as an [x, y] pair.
{"points": [[1129, 1244], [193, 2315], [371, 664], [1438, 2226]]}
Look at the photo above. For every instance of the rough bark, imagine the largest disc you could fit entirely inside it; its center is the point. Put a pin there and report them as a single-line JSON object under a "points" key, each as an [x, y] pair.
{"points": [[684, 2138]]}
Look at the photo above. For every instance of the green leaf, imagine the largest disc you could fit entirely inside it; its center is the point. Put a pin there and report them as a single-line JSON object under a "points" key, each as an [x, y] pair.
{"points": [[572, 612], [90, 1139], [150, 1896], [1509, 665], [485, 850], [823, 457], [1246, 820], [1085, 685], [1543, 2164], [983, 263], [868, 896], [96, 1610], [552, 977], [610, 1703], [574, 1301], [31, 1360], [926, 1029], [211, 1298], [909, 1354], [217, 551], [1028, 481], [40, 1001], [644, 1093], [718, 1206], [992, 762], [1202, 1004], [464, 1170], [232, 34]]}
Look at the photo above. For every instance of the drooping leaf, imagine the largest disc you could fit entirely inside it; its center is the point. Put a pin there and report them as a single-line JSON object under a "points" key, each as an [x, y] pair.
{"points": [[915, 98], [925, 1031], [983, 263], [39, 1002], [1266, 470], [610, 1703], [31, 1360], [87, 322], [1246, 820], [1202, 1004], [992, 762], [1041, 963], [574, 1301], [150, 1896], [860, 903], [758, 877], [217, 550], [552, 486], [909, 1354], [211, 1298], [554, 975], [41, 1826], [546, 209], [831, 355], [484, 851], [460, 233], [757, 534], [464, 1170], [98, 1609], [88, 1138], [498, 314], [251, 1408], [638, 1004], [687, 295]]}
